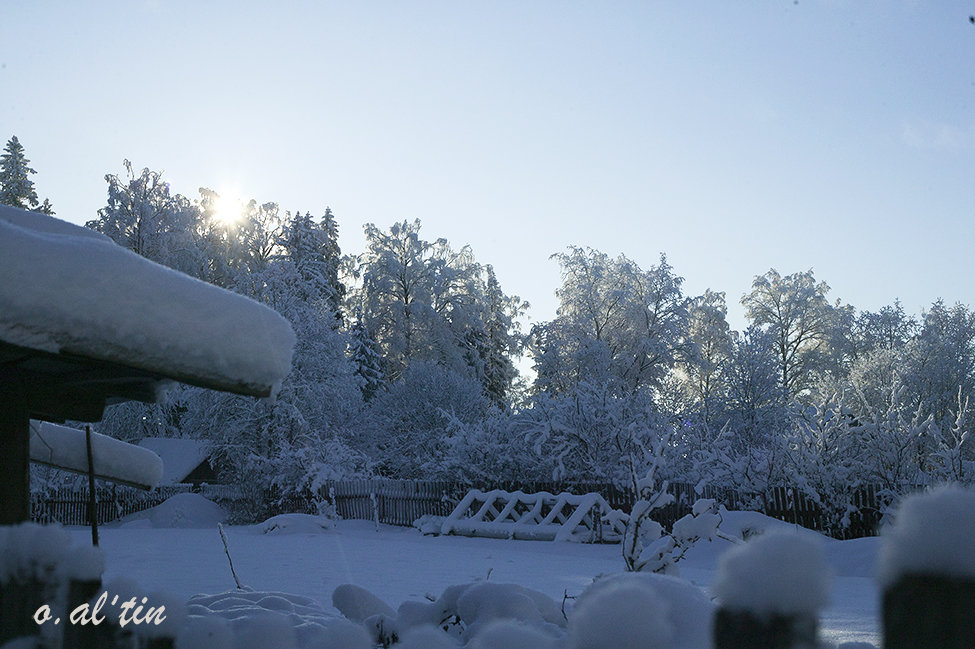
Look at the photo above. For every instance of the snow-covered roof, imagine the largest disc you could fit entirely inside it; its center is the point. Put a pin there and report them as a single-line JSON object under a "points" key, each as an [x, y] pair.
{"points": [[179, 456], [66, 448], [71, 292]]}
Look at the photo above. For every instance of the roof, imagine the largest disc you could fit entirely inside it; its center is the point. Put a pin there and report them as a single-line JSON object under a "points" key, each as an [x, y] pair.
{"points": [[87, 321], [179, 456]]}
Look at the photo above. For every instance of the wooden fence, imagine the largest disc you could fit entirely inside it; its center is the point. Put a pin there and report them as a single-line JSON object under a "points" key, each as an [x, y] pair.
{"points": [[400, 502]]}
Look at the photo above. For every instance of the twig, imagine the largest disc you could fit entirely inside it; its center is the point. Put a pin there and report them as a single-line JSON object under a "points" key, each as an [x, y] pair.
{"points": [[226, 549]]}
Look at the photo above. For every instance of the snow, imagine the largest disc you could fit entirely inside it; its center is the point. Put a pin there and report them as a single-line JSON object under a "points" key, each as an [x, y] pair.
{"points": [[30, 550], [932, 534], [66, 448], [181, 510], [776, 573], [506, 634], [641, 610], [297, 524], [426, 637], [64, 291], [84, 563], [245, 619], [179, 456], [400, 566], [356, 603]]}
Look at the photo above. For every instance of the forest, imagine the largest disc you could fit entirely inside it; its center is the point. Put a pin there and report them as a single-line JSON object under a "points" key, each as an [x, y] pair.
{"points": [[406, 364]]}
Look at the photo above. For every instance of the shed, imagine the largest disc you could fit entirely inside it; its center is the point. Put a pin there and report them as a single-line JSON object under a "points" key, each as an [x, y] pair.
{"points": [[85, 322], [184, 461]]}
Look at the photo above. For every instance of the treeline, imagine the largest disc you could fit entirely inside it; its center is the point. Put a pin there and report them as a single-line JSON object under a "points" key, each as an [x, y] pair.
{"points": [[405, 366]]}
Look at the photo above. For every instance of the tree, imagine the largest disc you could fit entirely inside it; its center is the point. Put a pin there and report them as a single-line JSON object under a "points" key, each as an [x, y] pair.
{"points": [[407, 428], [16, 187], [797, 316], [424, 301], [145, 217], [940, 360], [709, 353], [636, 316], [313, 247], [365, 356]]}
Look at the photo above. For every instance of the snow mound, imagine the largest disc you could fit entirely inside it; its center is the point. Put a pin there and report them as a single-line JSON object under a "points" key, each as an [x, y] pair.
{"points": [[297, 524], [509, 634], [356, 603], [181, 510], [638, 610], [776, 573], [245, 619], [426, 637], [745, 524], [932, 534]]}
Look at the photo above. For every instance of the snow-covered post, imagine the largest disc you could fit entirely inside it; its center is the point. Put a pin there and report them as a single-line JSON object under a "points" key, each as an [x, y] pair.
{"points": [[375, 509], [927, 572], [30, 556], [84, 572], [770, 591]]}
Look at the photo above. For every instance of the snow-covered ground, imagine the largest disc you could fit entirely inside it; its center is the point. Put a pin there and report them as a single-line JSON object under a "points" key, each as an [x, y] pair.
{"points": [[399, 564]]}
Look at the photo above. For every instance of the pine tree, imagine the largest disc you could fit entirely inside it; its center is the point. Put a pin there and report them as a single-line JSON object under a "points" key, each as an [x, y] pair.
{"points": [[313, 248], [364, 353], [16, 187]]}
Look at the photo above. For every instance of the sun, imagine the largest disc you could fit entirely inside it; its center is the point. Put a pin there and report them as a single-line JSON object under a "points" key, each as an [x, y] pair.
{"points": [[228, 208]]}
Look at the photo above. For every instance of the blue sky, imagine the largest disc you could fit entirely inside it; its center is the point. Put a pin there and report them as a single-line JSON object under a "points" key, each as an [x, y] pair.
{"points": [[733, 136]]}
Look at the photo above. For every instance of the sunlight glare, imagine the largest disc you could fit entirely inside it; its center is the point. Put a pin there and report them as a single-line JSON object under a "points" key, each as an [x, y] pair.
{"points": [[228, 208]]}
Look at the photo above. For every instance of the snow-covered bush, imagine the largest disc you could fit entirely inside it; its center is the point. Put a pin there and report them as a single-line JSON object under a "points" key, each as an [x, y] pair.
{"points": [[406, 429]]}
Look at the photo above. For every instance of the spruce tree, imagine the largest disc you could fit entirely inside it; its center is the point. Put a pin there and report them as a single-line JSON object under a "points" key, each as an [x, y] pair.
{"points": [[16, 187], [365, 355]]}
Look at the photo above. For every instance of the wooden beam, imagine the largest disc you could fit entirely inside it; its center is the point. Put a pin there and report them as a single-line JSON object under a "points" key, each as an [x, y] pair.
{"points": [[14, 450]]}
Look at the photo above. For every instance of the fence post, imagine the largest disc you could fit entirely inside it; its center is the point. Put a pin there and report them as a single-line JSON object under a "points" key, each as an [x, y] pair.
{"points": [[770, 592], [927, 571]]}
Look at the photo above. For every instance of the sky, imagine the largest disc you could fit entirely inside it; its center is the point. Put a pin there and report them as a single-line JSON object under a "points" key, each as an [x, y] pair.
{"points": [[734, 137]]}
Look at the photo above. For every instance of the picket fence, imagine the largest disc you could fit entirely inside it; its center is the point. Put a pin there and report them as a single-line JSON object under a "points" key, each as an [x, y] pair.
{"points": [[401, 502]]}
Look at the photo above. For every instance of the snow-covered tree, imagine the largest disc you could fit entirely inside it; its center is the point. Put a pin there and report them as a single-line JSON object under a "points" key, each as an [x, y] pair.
{"points": [[313, 248], [940, 361], [592, 434], [826, 454], [16, 187], [145, 217], [754, 397], [407, 428], [794, 310], [424, 301], [706, 363], [365, 356], [637, 316]]}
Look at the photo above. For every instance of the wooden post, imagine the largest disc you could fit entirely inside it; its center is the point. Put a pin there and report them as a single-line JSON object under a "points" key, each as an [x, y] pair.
{"points": [[92, 503], [15, 450], [79, 636], [745, 630], [928, 612]]}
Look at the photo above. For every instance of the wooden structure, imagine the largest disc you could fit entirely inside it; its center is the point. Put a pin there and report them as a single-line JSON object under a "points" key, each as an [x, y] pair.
{"points": [[85, 323], [536, 517]]}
